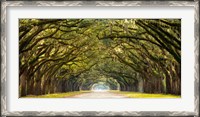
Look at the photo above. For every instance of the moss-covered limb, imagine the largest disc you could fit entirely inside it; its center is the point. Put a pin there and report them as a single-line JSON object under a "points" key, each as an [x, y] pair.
{"points": [[158, 37]]}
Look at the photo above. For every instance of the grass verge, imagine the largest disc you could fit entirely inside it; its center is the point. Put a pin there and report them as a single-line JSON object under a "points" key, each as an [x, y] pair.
{"points": [[145, 95], [57, 95]]}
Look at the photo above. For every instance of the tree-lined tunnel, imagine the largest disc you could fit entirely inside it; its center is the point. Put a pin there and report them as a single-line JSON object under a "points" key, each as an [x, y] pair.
{"points": [[100, 87], [66, 55]]}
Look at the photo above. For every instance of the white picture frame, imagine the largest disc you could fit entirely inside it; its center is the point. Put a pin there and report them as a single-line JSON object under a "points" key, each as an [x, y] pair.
{"points": [[5, 73]]}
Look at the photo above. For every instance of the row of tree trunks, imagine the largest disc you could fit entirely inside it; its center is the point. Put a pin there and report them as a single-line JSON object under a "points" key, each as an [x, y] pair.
{"points": [[113, 87], [169, 84], [45, 85], [160, 85], [130, 87], [173, 81], [173, 86], [154, 85]]}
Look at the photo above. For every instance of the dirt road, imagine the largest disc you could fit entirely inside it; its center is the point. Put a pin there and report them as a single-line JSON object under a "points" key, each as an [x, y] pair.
{"points": [[99, 94]]}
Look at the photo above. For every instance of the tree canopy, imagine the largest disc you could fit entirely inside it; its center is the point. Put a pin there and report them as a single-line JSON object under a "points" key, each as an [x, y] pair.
{"points": [[60, 55]]}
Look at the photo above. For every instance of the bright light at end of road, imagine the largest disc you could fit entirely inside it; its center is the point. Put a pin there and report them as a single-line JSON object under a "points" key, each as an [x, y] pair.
{"points": [[100, 88]]}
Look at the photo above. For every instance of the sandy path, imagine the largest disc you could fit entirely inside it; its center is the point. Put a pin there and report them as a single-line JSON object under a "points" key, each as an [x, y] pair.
{"points": [[99, 94]]}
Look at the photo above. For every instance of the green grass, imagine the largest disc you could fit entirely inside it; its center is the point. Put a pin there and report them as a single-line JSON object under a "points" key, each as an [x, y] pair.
{"points": [[57, 95], [126, 93], [145, 95]]}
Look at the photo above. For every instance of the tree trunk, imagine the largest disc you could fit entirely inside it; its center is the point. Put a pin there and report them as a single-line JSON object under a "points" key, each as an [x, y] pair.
{"points": [[168, 84], [30, 86], [37, 87], [23, 83]]}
